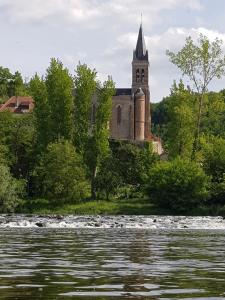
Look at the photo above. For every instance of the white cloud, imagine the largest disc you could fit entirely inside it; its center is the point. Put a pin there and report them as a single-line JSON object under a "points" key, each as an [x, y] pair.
{"points": [[85, 10]]}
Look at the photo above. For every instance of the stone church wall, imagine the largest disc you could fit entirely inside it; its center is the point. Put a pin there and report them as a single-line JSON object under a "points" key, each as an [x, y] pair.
{"points": [[121, 124]]}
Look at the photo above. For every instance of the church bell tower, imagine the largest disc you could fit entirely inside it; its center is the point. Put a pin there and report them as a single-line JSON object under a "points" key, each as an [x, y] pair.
{"points": [[140, 81]]}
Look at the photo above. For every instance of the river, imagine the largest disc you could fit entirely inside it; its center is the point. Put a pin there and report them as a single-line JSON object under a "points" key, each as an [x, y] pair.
{"points": [[111, 263]]}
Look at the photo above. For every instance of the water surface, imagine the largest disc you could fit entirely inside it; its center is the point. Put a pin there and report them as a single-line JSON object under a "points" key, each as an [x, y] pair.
{"points": [[100, 264]]}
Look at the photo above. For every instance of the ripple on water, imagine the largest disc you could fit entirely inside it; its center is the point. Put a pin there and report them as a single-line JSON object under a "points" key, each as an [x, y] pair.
{"points": [[104, 264]]}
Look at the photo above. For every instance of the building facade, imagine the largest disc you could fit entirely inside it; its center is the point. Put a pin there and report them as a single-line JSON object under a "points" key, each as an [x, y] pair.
{"points": [[131, 106]]}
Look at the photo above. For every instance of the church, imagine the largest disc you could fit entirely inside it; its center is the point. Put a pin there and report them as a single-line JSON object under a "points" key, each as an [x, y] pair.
{"points": [[131, 118]]}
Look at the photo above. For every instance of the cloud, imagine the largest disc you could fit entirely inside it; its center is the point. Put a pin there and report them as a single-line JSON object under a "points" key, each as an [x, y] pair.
{"points": [[87, 10]]}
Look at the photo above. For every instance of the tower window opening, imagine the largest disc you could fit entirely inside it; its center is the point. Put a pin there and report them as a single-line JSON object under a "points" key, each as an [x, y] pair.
{"points": [[142, 75], [119, 115], [137, 75]]}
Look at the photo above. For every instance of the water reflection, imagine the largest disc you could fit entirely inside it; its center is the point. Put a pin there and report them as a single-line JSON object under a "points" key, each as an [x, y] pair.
{"points": [[111, 264]]}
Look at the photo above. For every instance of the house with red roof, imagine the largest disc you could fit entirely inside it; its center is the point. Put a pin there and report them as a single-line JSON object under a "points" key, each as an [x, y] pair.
{"points": [[18, 105]]}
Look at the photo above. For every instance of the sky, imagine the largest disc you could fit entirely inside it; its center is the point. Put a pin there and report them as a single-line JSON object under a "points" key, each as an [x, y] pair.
{"points": [[103, 34]]}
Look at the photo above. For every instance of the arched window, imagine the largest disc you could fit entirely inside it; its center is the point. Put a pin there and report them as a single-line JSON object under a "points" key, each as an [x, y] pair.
{"points": [[142, 75], [137, 75], [119, 115]]}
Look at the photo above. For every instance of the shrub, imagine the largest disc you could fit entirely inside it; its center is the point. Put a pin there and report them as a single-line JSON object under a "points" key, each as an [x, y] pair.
{"points": [[11, 190], [61, 174], [178, 185]]}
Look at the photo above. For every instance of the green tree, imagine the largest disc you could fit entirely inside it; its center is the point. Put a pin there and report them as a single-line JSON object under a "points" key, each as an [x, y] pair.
{"points": [[178, 185], [17, 140], [201, 63], [11, 190], [213, 118], [5, 77], [98, 143], [41, 111], [16, 86], [133, 164], [85, 88], [60, 174], [59, 87], [108, 180], [181, 125], [213, 154]]}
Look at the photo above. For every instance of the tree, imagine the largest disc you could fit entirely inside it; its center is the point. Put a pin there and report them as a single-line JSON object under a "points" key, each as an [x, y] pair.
{"points": [[11, 190], [213, 118], [60, 174], [5, 77], [201, 63], [98, 142], [85, 87], [59, 85], [213, 160], [178, 185], [16, 86], [133, 164], [108, 180], [41, 111], [180, 127]]}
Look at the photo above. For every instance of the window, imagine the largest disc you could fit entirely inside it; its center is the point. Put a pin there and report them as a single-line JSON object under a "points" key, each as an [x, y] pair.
{"points": [[137, 75], [119, 114], [142, 75]]}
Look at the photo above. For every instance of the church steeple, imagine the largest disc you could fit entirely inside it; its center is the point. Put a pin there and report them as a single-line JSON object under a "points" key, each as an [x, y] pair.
{"points": [[140, 53], [140, 76]]}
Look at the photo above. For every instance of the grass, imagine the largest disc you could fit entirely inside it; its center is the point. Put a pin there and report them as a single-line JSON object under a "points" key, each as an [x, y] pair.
{"points": [[101, 207]]}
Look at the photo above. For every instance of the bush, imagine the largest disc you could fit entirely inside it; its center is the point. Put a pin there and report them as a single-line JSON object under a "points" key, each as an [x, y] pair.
{"points": [[11, 190], [213, 157], [60, 174], [178, 185]]}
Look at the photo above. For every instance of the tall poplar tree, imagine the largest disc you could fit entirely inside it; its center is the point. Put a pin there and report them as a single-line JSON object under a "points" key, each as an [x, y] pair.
{"points": [[59, 86], [98, 146], [41, 111], [85, 87]]}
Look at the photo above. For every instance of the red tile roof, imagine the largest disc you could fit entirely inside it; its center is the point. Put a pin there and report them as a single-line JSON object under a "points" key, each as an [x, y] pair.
{"points": [[16, 105]]}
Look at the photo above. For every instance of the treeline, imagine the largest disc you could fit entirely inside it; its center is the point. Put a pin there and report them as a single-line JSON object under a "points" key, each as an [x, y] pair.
{"points": [[61, 153]]}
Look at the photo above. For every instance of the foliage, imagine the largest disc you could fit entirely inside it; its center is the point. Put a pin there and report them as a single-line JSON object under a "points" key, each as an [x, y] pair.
{"points": [[178, 185], [213, 118], [11, 190], [98, 142], [108, 180], [17, 136], [59, 86], [201, 63], [41, 111], [213, 154], [85, 87], [60, 174], [181, 125], [112, 207]]}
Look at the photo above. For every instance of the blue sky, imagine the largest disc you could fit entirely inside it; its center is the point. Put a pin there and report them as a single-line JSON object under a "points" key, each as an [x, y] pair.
{"points": [[103, 33]]}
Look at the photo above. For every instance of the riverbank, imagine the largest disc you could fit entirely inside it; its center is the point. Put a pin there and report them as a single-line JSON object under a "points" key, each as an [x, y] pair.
{"points": [[114, 207], [135, 206]]}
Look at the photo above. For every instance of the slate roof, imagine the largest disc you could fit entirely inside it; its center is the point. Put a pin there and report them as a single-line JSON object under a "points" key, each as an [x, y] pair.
{"points": [[123, 91], [141, 52], [18, 105]]}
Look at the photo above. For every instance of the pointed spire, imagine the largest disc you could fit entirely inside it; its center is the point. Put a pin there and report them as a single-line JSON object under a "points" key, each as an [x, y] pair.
{"points": [[141, 52]]}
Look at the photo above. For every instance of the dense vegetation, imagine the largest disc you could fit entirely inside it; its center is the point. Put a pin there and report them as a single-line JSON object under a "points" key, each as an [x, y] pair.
{"points": [[59, 159]]}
